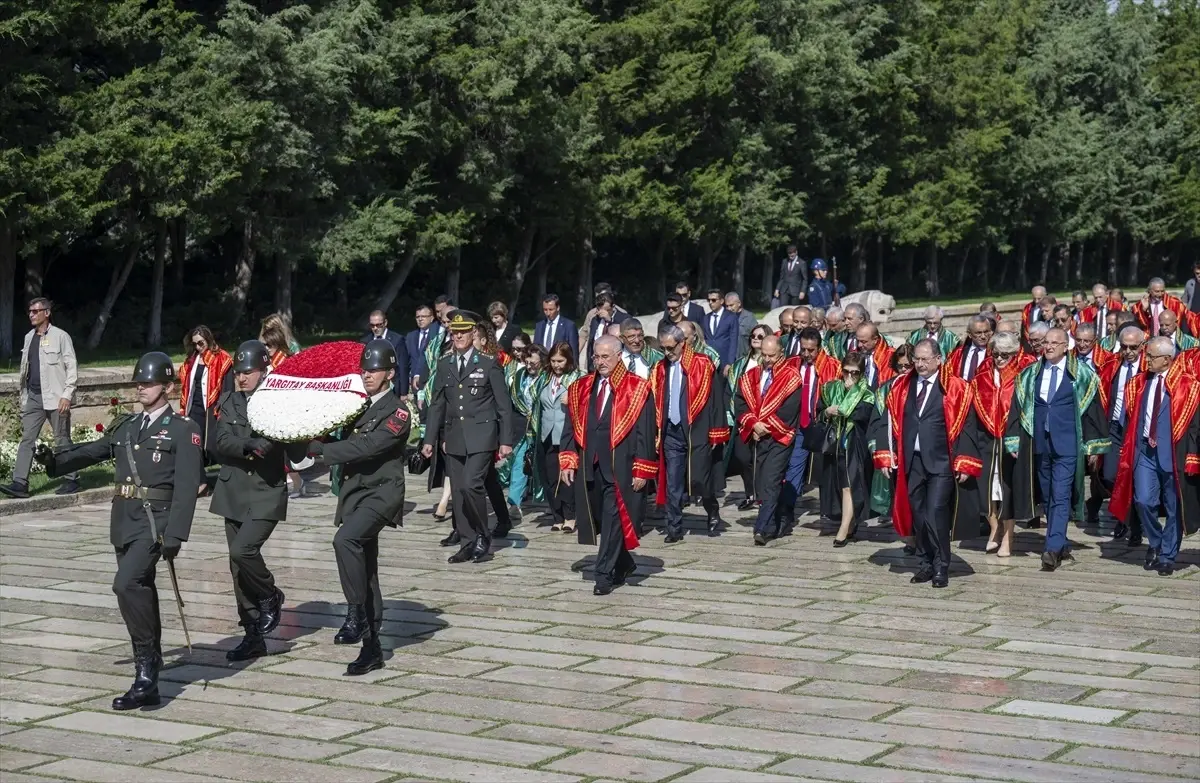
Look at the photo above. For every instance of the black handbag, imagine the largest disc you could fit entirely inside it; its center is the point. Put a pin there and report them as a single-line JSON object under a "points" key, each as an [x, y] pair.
{"points": [[418, 463]]}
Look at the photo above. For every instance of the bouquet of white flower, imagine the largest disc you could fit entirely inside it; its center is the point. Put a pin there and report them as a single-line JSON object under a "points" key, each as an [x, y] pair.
{"points": [[310, 394]]}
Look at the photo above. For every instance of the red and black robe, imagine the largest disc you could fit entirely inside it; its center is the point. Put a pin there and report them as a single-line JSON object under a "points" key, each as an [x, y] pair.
{"points": [[704, 420], [992, 403], [778, 409], [631, 447], [960, 442], [1184, 391]]}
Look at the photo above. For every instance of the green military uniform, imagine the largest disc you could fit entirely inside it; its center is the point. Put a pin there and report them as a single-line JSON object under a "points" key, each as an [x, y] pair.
{"points": [[159, 469], [251, 493], [371, 452], [470, 415]]}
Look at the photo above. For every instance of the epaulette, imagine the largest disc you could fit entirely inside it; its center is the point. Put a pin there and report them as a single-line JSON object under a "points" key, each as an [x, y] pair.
{"points": [[119, 420]]}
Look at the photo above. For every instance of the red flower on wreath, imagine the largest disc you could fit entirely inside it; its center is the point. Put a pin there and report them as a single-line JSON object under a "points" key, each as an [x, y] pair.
{"points": [[99, 428], [113, 401]]}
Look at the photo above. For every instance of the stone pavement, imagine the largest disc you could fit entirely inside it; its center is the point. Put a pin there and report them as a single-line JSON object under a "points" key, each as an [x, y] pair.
{"points": [[725, 662]]}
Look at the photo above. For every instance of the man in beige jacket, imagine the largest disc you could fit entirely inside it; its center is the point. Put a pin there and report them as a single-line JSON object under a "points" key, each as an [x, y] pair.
{"points": [[48, 379]]}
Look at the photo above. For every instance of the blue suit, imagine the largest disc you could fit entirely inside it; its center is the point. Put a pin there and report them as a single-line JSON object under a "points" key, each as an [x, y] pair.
{"points": [[400, 384], [1056, 449], [417, 368], [820, 293], [725, 339], [1154, 479], [565, 332]]}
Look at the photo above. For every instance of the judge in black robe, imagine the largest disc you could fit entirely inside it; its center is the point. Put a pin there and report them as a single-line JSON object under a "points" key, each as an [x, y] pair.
{"points": [[608, 454]]}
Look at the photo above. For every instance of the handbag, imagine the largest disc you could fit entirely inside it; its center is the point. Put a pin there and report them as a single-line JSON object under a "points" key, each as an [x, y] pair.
{"points": [[418, 463]]}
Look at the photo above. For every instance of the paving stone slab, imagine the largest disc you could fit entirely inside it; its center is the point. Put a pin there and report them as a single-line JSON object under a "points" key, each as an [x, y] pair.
{"points": [[832, 770], [477, 748], [716, 676], [274, 745], [1179, 688], [755, 739], [715, 775], [89, 746], [1006, 768], [141, 728], [513, 691], [13, 760], [267, 770], [22, 712], [448, 769], [733, 647], [733, 697], [624, 767], [396, 716], [634, 746], [952, 684], [514, 711]]}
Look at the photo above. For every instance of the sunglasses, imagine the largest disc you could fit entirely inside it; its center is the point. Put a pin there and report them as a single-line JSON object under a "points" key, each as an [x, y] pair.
{"points": [[851, 373]]}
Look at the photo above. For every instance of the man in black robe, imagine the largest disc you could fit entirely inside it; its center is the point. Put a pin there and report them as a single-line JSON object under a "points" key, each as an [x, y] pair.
{"points": [[691, 423], [608, 454]]}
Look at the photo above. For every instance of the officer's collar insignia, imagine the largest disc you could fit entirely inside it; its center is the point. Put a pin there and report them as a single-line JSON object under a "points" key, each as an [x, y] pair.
{"points": [[166, 419]]}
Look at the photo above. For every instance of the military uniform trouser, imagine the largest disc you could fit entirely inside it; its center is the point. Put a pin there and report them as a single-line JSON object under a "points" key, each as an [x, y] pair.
{"points": [[468, 475], [356, 546], [136, 593], [252, 580]]}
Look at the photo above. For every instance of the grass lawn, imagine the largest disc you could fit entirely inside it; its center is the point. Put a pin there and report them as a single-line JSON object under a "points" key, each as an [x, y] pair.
{"points": [[89, 478]]}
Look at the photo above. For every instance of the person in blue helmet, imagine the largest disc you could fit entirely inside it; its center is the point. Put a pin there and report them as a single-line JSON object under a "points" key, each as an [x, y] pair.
{"points": [[820, 289]]}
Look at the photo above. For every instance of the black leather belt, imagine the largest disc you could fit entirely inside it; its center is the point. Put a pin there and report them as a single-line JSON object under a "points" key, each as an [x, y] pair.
{"points": [[134, 492]]}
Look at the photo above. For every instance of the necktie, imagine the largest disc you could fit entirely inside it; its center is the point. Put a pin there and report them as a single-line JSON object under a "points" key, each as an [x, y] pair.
{"points": [[852, 344], [974, 364], [551, 328], [766, 383], [424, 339], [870, 372], [673, 407], [713, 323], [1153, 319], [806, 397], [1158, 394], [922, 393], [1101, 323], [603, 397], [632, 364], [462, 365], [145, 421]]}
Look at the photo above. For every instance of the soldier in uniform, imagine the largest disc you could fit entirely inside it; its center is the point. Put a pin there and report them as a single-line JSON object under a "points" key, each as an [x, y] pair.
{"points": [[371, 451], [159, 468], [470, 416], [252, 495]]}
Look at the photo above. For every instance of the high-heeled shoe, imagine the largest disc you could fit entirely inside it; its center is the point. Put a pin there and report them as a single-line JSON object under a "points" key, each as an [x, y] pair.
{"points": [[439, 515], [568, 526], [991, 548], [839, 543]]}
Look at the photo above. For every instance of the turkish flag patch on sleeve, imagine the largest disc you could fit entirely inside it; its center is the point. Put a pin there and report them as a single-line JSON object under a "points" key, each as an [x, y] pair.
{"points": [[397, 423], [195, 439]]}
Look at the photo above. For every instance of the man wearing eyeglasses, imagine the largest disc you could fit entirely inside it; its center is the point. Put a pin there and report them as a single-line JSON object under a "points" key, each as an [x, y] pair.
{"points": [[48, 379], [1160, 455], [1114, 376], [1055, 425]]}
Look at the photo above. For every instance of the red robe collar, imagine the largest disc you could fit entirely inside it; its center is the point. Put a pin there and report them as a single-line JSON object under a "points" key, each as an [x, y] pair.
{"points": [[699, 371], [218, 363], [785, 381], [956, 406], [1184, 391], [993, 402]]}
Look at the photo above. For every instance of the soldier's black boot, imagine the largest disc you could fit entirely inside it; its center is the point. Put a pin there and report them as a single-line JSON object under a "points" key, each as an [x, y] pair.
{"points": [[147, 661], [253, 645], [355, 626], [269, 612], [370, 657]]}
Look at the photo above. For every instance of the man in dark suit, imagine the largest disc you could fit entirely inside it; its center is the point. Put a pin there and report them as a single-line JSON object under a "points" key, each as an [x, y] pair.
{"points": [[721, 329], [793, 279], [371, 451], [691, 311], [470, 417], [251, 493], [504, 331], [555, 328], [416, 342], [606, 315], [379, 330]]}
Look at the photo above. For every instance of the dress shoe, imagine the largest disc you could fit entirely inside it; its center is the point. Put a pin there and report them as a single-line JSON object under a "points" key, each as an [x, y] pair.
{"points": [[15, 490], [370, 657], [922, 576], [1135, 538], [1120, 531], [452, 539], [1034, 524], [482, 551], [269, 613], [1050, 561], [462, 555], [909, 549], [502, 530], [746, 504], [673, 538], [147, 661], [1151, 559], [941, 577], [623, 575], [252, 646], [786, 529], [67, 488], [714, 526], [600, 589], [839, 543], [514, 513], [760, 539], [1165, 569], [355, 626]]}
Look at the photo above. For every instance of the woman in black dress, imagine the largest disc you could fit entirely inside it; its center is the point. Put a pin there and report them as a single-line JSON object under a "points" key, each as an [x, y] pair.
{"points": [[844, 408]]}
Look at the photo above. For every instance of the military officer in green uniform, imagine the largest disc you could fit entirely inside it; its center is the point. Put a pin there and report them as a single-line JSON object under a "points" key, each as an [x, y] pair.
{"points": [[470, 419], [371, 453], [159, 469], [251, 493]]}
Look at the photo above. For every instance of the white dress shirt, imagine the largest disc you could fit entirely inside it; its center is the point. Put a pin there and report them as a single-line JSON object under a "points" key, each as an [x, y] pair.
{"points": [[549, 334], [972, 351], [640, 368], [921, 384], [1147, 415], [1126, 372], [149, 417], [1045, 392], [714, 319]]}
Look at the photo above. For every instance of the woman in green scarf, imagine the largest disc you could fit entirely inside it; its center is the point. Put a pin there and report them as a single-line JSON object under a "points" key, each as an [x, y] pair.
{"points": [[522, 383], [546, 426], [845, 407], [737, 452]]}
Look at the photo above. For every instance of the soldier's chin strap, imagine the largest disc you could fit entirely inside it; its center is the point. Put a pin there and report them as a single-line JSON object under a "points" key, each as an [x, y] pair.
{"points": [[157, 537]]}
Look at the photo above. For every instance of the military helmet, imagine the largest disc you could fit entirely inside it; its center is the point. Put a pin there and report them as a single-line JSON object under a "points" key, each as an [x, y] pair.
{"points": [[379, 354], [251, 355], [154, 367]]}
